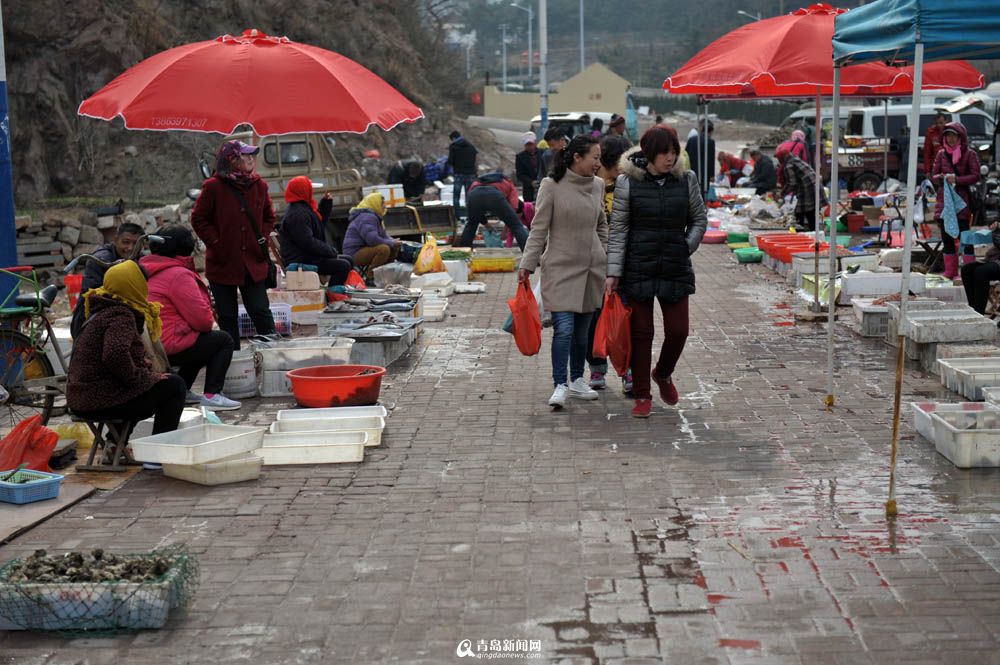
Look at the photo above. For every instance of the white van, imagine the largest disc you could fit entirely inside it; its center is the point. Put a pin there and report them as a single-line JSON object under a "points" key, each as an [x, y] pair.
{"points": [[870, 122], [807, 116], [571, 122]]}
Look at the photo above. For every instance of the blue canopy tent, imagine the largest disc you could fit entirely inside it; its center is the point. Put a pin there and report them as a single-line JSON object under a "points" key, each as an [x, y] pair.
{"points": [[907, 31]]}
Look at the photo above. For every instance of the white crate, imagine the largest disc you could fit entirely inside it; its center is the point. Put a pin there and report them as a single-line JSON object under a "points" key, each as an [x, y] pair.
{"points": [[284, 355], [922, 413], [968, 439], [198, 444], [878, 284], [370, 425], [376, 411], [236, 469], [313, 448]]}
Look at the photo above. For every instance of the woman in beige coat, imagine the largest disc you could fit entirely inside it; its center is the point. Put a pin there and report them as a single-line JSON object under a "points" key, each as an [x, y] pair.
{"points": [[571, 227]]}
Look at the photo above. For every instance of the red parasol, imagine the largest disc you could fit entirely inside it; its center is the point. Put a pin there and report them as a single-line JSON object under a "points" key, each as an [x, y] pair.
{"points": [[271, 83]]}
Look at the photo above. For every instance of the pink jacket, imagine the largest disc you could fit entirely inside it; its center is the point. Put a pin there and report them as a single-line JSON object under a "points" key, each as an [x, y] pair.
{"points": [[186, 308]]}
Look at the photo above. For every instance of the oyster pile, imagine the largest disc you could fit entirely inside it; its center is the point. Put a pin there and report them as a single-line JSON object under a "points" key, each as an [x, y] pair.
{"points": [[97, 566]]}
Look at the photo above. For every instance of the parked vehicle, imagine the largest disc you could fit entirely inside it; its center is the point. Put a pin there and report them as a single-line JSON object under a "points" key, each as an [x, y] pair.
{"points": [[573, 122]]}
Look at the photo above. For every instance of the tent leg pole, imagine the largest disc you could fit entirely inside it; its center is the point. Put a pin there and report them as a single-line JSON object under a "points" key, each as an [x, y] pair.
{"points": [[834, 201], [816, 306]]}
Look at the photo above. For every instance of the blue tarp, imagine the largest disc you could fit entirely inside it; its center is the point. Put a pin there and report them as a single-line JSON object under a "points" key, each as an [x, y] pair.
{"points": [[888, 30]]}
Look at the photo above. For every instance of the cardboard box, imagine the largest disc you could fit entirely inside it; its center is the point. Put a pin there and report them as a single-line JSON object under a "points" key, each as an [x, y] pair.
{"points": [[306, 305]]}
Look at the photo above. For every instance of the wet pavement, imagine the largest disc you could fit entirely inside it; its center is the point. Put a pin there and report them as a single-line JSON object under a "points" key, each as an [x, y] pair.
{"points": [[745, 525]]}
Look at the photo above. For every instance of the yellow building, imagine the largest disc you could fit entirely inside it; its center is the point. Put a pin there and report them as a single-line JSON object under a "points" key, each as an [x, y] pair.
{"points": [[596, 88]]}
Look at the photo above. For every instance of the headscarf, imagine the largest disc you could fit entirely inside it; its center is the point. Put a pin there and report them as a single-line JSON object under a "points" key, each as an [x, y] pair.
{"points": [[959, 130], [300, 188], [373, 202], [799, 135], [125, 283], [230, 151]]}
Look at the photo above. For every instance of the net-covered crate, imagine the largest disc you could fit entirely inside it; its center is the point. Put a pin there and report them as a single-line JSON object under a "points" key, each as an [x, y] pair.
{"points": [[39, 486], [281, 312], [117, 592]]}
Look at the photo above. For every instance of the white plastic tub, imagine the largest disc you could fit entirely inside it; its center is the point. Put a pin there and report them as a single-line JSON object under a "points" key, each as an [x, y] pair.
{"points": [[372, 426], [922, 413], [197, 445], [470, 287], [189, 418], [235, 469], [313, 448], [377, 411], [305, 352], [968, 376], [968, 439]]}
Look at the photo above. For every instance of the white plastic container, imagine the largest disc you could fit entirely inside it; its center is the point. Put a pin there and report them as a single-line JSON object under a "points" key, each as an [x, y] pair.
{"points": [[968, 439], [922, 413], [241, 377], [992, 395], [377, 411], [459, 270], [372, 426], [470, 287], [189, 418], [235, 469], [968, 376], [275, 383], [304, 352], [314, 448], [197, 445]]}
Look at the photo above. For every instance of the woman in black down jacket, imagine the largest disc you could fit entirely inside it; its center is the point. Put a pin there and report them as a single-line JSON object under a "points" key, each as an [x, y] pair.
{"points": [[301, 233], [657, 221]]}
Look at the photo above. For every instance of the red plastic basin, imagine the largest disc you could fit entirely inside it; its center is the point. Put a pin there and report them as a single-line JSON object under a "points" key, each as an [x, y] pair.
{"points": [[336, 385]]}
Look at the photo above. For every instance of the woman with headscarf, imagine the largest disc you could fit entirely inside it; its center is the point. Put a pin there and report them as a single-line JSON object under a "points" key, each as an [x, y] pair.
{"points": [[955, 167], [301, 234], [186, 312], [233, 211], [110, 376], [366, 241], [797, 146]]}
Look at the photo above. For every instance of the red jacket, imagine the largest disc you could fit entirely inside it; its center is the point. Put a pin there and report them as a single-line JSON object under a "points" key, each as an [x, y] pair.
{"points": [[502, 183], [186, 308], [220, 222]]}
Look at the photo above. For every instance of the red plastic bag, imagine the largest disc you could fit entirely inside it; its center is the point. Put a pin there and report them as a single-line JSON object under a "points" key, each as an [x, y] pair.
{"points": [[355, 281], [29, 442], [527, 320], [613, 335]]}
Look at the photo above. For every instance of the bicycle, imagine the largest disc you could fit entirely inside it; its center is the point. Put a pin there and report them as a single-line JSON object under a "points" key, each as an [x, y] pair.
{"points": [[29, 384]]}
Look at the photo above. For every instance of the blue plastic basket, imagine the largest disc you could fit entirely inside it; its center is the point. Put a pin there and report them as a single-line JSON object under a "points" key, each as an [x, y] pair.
{"points": [[42, 486]]}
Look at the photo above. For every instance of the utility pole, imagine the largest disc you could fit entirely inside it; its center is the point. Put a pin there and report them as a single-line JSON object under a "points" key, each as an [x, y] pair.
{"points": [[503, 28], [531, 21], [8, 234], [543, 60], [582, 60]]}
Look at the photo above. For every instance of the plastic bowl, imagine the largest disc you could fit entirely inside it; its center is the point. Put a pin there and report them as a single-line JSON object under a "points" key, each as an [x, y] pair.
{"points": [[336, 385]]}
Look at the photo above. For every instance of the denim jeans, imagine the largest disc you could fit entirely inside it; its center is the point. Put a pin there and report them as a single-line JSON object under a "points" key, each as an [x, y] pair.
{"points": [[569, 344], [483, 200], [460, 180]]}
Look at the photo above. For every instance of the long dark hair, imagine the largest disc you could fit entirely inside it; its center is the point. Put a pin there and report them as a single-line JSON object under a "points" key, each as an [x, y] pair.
{"points": [[580, 145]]}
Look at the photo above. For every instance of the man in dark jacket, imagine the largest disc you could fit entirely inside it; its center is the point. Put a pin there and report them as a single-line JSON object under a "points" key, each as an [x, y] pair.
{"points": [[411, 176], [93, 273], [527, 165], [764, 177], [556, 139], [696, 151], [493, 194], [462, 160]]}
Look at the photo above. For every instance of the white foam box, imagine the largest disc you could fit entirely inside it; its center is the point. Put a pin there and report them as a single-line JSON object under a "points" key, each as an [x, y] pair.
{"points": [[431, 280], [235, 469], [189, 418], [313, 448], [946, 293], [301, 280], [306, 305], [197, 444], [968, 439], [877, 284], [459, 270], [370, 425], [874, 319], [470, 287]]}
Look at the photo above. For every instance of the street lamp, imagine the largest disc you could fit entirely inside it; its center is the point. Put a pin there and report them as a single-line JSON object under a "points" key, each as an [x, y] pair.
{"points": [[755, 17], [531, 20]]}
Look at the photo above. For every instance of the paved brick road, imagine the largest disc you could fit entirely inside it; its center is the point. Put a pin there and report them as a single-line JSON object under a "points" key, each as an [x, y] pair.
{"points": [[745, 526]]}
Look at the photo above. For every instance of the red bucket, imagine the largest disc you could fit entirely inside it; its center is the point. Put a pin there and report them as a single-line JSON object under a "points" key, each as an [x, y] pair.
{"points": [[336, 385], [73, 285]]}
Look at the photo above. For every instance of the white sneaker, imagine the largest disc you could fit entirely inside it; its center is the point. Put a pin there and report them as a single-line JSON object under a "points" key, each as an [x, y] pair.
{"points": [[219, 402], [558, 399], [580, 389]]}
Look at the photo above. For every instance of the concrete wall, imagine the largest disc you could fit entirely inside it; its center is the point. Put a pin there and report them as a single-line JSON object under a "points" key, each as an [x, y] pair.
{"points": [[596, 88]]}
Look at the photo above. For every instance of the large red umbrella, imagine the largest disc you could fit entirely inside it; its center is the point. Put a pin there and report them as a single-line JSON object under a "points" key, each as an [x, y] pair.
{"points": [[271, 83], [792, 56]]}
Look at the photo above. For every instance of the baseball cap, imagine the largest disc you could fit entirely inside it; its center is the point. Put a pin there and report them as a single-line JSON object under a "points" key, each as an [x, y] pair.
{"points": [[528, 137], [247, 149]]}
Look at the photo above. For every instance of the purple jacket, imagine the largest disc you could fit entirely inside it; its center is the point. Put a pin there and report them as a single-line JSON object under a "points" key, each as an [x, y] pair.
{"points": [[365, 230]]}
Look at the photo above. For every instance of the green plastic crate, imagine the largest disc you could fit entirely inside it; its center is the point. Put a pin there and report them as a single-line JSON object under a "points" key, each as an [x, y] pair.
{"points": [[749, 255], [737, 237]]}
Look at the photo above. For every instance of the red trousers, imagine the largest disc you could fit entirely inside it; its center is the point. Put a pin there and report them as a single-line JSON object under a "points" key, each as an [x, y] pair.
{"points": [[675, 332]]}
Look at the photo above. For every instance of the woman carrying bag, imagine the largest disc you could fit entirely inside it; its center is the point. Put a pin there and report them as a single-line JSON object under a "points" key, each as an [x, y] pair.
{"points": [[572, 230], [657, 221]]}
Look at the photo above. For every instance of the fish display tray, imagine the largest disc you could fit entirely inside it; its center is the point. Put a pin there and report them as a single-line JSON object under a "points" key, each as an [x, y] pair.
{"points": [[377, 411], [197, 445], [370, 425], [968, 438], [313, 448], [968, 376], [304, 352]]}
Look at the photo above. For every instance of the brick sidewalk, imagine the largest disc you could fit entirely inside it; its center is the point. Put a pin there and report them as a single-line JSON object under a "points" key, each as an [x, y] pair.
{"points": [[745, 526]]}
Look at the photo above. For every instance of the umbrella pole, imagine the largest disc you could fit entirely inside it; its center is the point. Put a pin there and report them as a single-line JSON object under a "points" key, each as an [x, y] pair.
{"points": [[904, 289], [816, 307], [708, 169], [885, 145], [834, 199]]}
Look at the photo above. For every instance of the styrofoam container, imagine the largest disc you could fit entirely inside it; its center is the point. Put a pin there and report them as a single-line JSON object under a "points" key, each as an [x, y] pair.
{"points": [[470, 287], [235, 469], [376, 411], [968, 439], [198, 444], [459, 270], [878, 283], [370, 425], [922, 413], [304, 352], [189, 418], [313, 448], [992, 395], [306, 305]]}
